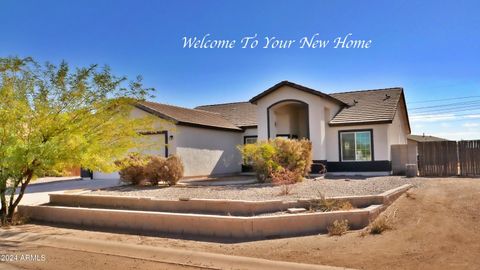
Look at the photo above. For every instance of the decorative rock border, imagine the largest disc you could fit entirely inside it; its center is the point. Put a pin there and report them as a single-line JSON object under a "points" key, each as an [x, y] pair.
{"points": [[237, 227]]}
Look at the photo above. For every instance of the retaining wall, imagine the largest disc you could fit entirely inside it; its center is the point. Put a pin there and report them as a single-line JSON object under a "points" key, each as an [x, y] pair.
{"points": [[200, 225], [236, 227], [206, 206]]}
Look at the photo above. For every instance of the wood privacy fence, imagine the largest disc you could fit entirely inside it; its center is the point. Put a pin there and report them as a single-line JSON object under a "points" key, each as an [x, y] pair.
{"points": [[469, 157], [449, 158]]}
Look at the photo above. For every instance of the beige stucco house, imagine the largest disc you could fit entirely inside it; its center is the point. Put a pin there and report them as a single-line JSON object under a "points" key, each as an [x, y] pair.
{"points": [[351, 132]]}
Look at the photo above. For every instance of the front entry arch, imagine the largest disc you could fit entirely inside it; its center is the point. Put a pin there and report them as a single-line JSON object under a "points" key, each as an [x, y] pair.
{"points": [[288, 118]]}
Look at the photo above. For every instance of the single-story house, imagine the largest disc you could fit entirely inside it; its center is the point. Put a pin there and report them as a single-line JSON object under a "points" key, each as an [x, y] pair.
{"points": [[351, 132]]}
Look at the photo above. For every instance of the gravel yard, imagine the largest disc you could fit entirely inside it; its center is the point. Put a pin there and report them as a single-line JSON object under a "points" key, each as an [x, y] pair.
{"points": [[255, 192]]}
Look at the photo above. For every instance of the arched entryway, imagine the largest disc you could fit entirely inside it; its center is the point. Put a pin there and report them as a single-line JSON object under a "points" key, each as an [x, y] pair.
{"points": [[289, 119]]}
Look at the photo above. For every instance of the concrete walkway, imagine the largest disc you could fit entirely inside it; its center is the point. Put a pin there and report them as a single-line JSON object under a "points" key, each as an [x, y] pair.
{"points": [[37, 193], [173, 257]]}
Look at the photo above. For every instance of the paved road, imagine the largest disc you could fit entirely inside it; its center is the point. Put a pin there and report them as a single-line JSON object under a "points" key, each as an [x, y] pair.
{"points": [[38, 193], [64, 252]]}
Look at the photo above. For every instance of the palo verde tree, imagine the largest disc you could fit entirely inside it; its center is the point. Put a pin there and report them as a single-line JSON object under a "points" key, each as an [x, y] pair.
{"points": [[52, 118]]}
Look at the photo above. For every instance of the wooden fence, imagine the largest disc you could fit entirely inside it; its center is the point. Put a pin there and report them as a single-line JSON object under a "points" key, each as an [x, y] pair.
{"points": [[469, 157], [449, 158], [437, 158]]}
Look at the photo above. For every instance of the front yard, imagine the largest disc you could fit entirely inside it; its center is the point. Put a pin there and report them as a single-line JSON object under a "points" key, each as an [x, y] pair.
{"points": [[307, 189], [436, 226]]}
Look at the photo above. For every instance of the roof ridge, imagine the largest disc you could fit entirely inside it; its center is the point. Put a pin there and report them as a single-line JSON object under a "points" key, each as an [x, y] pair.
{"points": [[368, 90], [220, 104]]}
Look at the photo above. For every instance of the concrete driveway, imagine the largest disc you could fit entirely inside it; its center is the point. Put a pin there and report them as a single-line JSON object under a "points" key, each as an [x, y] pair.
{"points": [[37, 193]]}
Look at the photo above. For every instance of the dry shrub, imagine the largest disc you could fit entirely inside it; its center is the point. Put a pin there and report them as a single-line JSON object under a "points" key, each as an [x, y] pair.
{"points": [[338, 227], [382, 223], [137, 169], [271, 156], [169, 170], [175, 169], [132, 168], [410, 195], [154, 169], [379, 225], [285, 179], [326, 205]]}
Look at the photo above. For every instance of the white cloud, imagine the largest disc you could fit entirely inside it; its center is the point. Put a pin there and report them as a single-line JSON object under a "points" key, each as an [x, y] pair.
{"points": [[460, 135], [470, 124], [432, 117], [441, 117]]}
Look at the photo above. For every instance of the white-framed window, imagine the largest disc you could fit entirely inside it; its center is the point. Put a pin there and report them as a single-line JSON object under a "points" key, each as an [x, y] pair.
{"points": [[356, 145], [249, 139]]}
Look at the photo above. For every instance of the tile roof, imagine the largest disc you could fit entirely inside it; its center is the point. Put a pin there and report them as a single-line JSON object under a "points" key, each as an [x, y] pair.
{"points": [[358, 107], [241, 114], [423, 138], [367, 106], [186, 116]]}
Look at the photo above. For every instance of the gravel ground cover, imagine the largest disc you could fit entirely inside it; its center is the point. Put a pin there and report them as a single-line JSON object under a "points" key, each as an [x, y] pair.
{"points": [[307, 189]]}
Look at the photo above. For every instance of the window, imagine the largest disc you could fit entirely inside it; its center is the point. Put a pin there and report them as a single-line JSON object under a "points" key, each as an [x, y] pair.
{"points": [[356, 145], [249, 139]]}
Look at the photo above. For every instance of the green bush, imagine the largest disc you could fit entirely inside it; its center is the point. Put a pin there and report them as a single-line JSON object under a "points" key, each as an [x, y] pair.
{"points": [[132, 168], [268, 157]]}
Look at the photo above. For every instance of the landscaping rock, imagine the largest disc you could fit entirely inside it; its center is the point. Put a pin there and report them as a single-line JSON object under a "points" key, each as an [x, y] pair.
{"points": [[296, 210]]}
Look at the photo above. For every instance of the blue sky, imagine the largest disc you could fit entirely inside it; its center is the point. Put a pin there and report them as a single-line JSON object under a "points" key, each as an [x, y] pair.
{"points": [[431, 49]]}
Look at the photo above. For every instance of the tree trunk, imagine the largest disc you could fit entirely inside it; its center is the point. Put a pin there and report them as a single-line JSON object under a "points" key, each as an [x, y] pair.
{"points": [[3, 211], [13, 206]]}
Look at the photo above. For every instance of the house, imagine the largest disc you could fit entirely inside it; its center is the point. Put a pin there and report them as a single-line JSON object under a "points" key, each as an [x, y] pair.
{"points": [[351, 132]]}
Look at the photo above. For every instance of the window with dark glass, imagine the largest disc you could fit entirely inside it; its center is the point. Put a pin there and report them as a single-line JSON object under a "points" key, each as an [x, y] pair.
{"points": [[356, 145], [249, 139]]}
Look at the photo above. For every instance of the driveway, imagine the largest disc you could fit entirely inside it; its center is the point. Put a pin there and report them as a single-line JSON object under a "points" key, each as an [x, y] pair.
{"points": [[37, 193]]}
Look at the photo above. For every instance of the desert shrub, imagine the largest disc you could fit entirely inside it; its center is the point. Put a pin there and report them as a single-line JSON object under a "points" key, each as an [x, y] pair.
{"points": [[268, 157], [285, 179], [326, 205], [169, 170], [338, 227], [261, 157], [155, 169], [382, 223], [175, 170], [132, 168]]}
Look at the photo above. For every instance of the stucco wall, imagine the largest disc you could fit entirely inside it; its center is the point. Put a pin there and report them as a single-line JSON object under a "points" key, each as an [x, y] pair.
{"points": [[317, 119], [398, 130], [207, 151], [155, 144], [381, 148], [250, 132]]}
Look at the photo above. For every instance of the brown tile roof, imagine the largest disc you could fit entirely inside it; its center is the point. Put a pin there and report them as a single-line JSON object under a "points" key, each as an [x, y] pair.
{"points": [[190, 117], [241, 114], [367, 106], [423, 138], [359, 107], [296, 86]]}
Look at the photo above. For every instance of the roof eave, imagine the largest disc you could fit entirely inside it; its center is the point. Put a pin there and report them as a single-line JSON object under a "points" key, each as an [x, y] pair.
{"points": [[296, 86], [363, 123], [208, 126], [155, 112]]}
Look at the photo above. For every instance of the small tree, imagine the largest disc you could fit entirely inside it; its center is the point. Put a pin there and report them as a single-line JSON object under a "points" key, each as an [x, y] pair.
{"points": [[52, 118]]}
